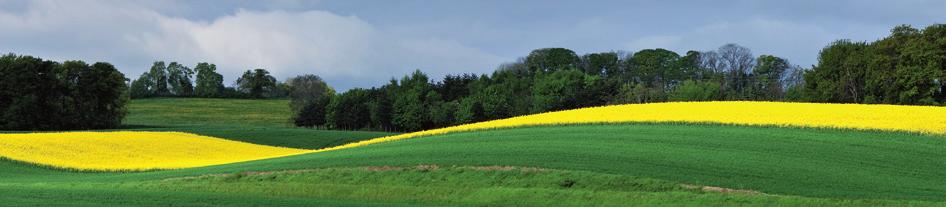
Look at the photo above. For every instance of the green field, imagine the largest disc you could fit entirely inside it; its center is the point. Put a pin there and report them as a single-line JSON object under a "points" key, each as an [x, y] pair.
{"points": [[264, 122], [574, 165]]}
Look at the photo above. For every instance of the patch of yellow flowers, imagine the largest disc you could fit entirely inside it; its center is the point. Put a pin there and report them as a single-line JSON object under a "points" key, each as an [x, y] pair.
{"points": [[113, 151], [919, 119], [131, 151]]}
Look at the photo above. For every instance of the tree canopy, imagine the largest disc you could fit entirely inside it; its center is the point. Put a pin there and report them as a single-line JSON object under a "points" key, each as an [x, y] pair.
{"points": [[309, 95], [177, 80], [37, 94], [908, 67], [257, 83]]}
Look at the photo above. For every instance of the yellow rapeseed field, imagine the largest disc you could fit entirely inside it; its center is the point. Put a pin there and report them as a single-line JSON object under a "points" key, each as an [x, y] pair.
{"points": [[113, 151], [920, 119]]}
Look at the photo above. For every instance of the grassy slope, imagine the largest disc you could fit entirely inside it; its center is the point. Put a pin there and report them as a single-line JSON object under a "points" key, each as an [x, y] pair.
{"points": [[808, 162], [835, 164], [202, 112], [96, 196], [256, 121], [607, 162], [420, 185]]}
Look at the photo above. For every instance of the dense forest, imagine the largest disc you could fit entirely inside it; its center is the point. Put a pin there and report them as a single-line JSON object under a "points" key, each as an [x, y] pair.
{"points": [[37, 94], [553, 79], [907, 67]]}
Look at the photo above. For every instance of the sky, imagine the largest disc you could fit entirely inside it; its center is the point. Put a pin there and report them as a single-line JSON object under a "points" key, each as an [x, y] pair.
{"points": [[358, 43]]}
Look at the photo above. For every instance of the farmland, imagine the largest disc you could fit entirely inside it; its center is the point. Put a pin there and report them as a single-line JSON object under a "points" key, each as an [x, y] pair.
{"points": [[605, 164], [263, 122], [472, 103], [110, 151]]}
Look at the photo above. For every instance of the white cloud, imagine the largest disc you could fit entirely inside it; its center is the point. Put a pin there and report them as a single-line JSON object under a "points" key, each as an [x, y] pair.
{"points": [[316, 41], [344, 50]]}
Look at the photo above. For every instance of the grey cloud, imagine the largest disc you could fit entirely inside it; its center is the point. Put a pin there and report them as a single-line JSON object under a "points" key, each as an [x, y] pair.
{"points": [[363, 43], [345, 50]]}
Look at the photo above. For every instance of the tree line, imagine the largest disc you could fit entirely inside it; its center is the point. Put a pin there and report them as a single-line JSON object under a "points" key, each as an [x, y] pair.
{"points": [[906, 67], [37, 94], [176, 80], [548, 79]]}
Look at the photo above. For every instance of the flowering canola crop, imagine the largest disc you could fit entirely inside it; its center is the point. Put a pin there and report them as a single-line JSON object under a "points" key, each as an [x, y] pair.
{"points": [[113, 151], [920, 119]]}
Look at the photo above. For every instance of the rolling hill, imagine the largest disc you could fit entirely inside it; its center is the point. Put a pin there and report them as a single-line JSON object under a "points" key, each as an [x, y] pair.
{"points": [[263, 122], [577, 164]]}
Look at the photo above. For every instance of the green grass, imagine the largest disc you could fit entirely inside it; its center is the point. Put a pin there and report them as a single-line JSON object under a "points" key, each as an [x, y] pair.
{"points": [[800, 166], [482, 186], [294, 137], [207, 111], [104, 195], [806, 162], [264, 122], [419, 185]]}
